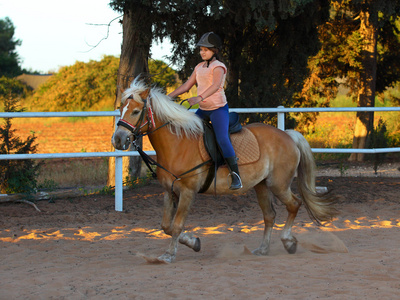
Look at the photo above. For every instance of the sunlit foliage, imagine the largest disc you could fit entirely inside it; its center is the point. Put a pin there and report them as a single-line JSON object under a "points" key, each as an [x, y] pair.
{"points": [[90, 86]]}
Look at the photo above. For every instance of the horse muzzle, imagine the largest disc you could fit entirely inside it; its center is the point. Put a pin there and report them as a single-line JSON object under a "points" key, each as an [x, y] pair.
{"points": [[122, 139]]}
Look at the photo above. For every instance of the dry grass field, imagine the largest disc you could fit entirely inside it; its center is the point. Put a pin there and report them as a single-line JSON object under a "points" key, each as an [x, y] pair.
{"points": [[61, 136], [58, 136]]}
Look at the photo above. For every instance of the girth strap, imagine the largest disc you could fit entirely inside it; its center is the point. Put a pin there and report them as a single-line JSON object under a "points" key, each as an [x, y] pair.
{"points": [[210, 177]]}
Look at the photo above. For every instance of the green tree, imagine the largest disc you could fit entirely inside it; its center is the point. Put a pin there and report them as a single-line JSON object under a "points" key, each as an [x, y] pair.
{"points": [[360, 47], [162, 75], [91, 85], [79, 87], [16, 176], [9, 61]]}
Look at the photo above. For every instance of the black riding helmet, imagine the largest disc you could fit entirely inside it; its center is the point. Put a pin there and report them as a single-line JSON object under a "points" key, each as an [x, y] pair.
{"points": [[210, 40]]}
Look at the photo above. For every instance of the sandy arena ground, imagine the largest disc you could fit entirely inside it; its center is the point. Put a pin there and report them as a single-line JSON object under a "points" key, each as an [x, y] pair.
{"points": [[82, 249]]}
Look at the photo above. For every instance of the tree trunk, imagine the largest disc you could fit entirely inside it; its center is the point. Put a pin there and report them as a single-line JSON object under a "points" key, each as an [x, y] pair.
{"points": [[366, 94], [135, 49]]}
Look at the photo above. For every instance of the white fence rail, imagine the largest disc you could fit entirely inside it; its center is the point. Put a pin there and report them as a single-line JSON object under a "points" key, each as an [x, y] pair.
{"points": [[119, 154]]}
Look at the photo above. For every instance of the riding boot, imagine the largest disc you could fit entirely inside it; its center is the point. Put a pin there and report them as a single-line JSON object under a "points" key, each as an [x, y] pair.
{"points": [[234, 171]]}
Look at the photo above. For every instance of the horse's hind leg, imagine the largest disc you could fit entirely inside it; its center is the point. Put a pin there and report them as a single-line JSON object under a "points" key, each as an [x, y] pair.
{"points": [[265, 198], [292, 206]]}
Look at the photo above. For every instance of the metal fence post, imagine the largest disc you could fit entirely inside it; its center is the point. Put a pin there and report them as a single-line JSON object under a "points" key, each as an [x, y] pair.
{"points": [[281, 119], [118, 178], [118, 184]]}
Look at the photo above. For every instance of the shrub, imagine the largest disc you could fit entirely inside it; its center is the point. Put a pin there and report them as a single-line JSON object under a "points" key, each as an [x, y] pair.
{"points": [[379, 138], [16, 176]]}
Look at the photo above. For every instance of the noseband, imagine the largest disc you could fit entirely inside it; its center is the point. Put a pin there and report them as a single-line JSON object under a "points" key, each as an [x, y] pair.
{"points": [[136, 129]]}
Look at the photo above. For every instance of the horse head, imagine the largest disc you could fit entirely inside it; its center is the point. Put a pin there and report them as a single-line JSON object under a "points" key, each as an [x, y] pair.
{"points": [[136, 118], [142, 107]]}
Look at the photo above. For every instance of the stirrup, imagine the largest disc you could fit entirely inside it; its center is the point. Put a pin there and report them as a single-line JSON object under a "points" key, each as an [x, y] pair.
{"points": [[235, 187]]}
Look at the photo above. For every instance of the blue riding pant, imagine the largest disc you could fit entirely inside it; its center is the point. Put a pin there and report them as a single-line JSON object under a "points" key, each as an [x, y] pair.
{"points": [[220, 121]]}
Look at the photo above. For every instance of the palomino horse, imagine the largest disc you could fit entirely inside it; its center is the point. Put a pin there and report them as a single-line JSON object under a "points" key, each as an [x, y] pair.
{"points": [[174, 133]]}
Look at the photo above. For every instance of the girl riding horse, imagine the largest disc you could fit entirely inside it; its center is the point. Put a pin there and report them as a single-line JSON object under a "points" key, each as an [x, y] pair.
{"points": [[209, 76]]}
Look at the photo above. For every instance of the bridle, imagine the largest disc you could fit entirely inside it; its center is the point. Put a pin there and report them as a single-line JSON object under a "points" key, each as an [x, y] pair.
{"points": [[136, 129]]}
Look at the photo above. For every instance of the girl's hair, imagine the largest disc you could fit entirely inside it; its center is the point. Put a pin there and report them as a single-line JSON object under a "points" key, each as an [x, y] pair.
{"points": [[217, 54]]}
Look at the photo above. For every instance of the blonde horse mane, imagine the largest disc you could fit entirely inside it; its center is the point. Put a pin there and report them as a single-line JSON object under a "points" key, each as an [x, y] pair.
{"points": [[181, 120]]}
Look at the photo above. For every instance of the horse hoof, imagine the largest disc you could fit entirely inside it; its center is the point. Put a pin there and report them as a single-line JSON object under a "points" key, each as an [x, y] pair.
{"points": [[197, 245], [290, 245], [260, 252], [153, 260], [166, 258], [292, 249]]}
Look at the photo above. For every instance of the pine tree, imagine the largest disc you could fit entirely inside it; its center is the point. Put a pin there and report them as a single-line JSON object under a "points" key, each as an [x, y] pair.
{"points": [[9, 60], [16, 176]]}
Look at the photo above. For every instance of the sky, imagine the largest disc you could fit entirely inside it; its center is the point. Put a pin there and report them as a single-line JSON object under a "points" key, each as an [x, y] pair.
{"points": [[56, 33]]}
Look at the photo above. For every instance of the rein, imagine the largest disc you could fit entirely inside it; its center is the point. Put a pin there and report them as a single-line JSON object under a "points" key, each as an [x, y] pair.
{"points": [[151, 162]]}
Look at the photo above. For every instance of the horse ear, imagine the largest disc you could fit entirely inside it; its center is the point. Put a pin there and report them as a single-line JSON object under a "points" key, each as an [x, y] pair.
{"points": [[145, 94]]}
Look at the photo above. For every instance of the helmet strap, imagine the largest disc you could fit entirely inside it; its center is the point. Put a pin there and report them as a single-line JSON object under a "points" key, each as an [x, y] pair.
{"points": [[209, 60]]}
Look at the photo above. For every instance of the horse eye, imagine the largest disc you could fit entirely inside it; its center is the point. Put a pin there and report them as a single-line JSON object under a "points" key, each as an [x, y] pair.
{"points": [[135, 112]]}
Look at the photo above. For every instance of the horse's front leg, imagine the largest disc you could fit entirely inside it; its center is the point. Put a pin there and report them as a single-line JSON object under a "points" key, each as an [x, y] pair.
{"points": [[189, 240], [166, 223], [185, 200]]}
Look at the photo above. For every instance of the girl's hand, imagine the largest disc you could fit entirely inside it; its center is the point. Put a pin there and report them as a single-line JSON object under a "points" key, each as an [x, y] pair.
{"points": [[194, 100]]}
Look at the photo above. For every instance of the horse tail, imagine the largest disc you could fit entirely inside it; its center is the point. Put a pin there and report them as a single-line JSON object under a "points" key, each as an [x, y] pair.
{"points": [[320, 206]]}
